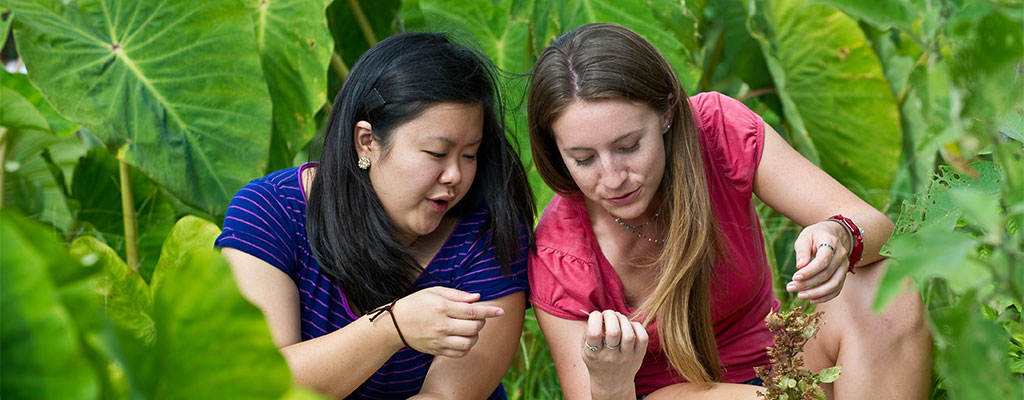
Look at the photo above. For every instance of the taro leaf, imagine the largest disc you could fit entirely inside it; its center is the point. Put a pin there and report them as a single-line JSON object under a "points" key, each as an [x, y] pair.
{"points": [[646, 19], [188, 234], [882, 14], [6, 17], [350, 41], [97, 189], [41, 354], [17, 113], [211, 343], [20, 83], [177, 85], [834, 95], [30, 185], [295, 47], [127, 299]]}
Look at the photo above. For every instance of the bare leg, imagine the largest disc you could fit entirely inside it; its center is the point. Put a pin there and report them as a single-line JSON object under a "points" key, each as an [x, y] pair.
{"points": [[883, 356], [719, 391]]}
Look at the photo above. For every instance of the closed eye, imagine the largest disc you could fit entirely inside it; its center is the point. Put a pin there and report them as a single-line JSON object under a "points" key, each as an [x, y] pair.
{"points": [[630, 149], [470, 156], [584, 162], [435, 155]]}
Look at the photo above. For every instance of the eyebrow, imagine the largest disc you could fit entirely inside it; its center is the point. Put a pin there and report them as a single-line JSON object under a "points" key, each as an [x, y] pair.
{"points": [[618, 139], [450, 142]]}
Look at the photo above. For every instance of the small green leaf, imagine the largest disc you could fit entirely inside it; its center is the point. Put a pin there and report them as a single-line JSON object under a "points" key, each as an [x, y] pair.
{"points": [[829, 375], [16, 112]]}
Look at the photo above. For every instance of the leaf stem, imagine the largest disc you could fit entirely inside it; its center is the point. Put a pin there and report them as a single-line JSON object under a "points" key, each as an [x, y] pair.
{"points": [[364, 24], [756, 93], [131, 233], [338, 65], [3, 162]]}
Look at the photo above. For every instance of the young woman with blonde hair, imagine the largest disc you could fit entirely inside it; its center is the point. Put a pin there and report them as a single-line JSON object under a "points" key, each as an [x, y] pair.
{"points": [[650, 277]]}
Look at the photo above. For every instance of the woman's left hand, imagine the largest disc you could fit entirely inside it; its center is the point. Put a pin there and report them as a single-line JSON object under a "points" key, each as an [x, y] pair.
{"points": [[822, 260]]}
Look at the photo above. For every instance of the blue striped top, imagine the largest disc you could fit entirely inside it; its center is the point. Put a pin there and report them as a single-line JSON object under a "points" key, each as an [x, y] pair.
{"points": [[267, 218]]}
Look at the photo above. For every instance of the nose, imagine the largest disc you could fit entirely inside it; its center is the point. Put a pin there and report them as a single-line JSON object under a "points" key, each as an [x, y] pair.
{"points": [[612, 174], [452, 174]]}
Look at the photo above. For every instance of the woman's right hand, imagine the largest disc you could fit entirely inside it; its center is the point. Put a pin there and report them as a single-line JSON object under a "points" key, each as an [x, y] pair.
{"points": [[442, 321], [613, 349]]}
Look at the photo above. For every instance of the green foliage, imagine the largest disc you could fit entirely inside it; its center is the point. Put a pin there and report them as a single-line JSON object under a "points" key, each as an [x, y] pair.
{"points": [[185, 103], [200, 97]]}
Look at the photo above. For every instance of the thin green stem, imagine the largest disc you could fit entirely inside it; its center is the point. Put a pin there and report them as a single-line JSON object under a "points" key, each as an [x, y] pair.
{"points": [[339, 67], [131, 232], [364, 24], [3, 162]]}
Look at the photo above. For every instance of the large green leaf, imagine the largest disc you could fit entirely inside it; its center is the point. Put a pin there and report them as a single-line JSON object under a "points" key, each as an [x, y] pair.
{"points": [[295, 48], [842, 113], [188, 234], [39, 348], [880, 13], [177, 85], [30, 183], [96, 189], [653, 20], [126, 297], [17, 112], [211, 343], [20, 83]]}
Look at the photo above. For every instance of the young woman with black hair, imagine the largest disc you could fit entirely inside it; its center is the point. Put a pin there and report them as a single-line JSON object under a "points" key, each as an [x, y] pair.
{"points": [[650, 276], [411, 283]]}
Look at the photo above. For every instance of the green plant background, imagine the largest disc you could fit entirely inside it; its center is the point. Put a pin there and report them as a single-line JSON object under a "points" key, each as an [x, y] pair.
{"points": [[138, 120]]}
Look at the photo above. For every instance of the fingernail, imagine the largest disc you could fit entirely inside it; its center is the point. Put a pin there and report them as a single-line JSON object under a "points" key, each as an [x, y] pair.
{"points": [[798, 277], [499, 313], [801, 261], [790, 287], [802, 295]]}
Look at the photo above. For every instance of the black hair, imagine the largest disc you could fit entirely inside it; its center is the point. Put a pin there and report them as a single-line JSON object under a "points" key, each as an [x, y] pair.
{"points": [[394, 82]]}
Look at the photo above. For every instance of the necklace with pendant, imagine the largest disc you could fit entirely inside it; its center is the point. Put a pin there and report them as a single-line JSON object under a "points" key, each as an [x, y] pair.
{"points": [[635, 229]]}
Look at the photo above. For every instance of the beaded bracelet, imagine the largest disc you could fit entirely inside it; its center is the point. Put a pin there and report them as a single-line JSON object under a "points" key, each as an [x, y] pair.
{"points": [[389, 308], [856, 237]]}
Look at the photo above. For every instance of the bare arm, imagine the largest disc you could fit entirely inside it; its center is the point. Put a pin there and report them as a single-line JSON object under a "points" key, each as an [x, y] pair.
{"points": [[804, 193], [477, 374], [318, 363]]}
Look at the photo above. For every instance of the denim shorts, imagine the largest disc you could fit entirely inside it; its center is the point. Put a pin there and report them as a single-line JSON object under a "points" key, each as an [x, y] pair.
{"points": [[755, 382]]}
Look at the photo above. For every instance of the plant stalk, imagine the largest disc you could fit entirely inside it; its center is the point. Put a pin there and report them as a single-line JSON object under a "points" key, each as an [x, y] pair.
{"points": [[3, 162], [364, 24], [131, 233], [338, 65]]}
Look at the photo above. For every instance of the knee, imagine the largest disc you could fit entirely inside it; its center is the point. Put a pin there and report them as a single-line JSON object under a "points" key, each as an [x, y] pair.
{"points": [[902, 323]]}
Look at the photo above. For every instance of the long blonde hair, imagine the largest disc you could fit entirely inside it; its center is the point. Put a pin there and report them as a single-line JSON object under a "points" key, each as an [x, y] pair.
{"points": [[606, 61]]}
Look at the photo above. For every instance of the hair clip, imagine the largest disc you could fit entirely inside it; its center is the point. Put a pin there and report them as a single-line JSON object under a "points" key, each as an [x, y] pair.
{"points": [[380, 99]]}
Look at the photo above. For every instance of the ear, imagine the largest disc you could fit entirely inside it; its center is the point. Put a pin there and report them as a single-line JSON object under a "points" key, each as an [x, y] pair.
{"points": [[668, 117], [363, 139]]}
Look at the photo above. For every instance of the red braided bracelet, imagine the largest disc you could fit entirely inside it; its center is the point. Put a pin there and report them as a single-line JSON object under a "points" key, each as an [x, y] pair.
{"points": [[855, 233], [389, 308]]}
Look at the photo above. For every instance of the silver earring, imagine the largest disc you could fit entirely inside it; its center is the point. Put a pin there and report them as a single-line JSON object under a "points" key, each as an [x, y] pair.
{"points": [[667, 127], [364, 163]]}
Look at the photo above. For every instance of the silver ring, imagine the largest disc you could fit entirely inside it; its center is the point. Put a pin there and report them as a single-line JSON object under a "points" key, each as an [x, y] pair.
{"points": [[591, 348], [827, 245], [612, 347]]}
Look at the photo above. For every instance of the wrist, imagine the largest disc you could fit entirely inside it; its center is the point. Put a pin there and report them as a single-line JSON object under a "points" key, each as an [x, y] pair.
{"points": [[856, 250], [382, 321], [612, 391]]}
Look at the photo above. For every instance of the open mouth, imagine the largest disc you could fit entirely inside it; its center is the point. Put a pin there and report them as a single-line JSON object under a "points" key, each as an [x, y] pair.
{"points": [[441, 204]]}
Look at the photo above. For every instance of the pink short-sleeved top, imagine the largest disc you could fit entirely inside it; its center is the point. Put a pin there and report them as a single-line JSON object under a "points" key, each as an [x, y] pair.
{"points": [[569, 273]]}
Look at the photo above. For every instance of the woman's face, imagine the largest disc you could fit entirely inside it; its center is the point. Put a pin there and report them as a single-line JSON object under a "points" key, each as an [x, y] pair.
{"points": [[615, 152], [428, 167]]}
